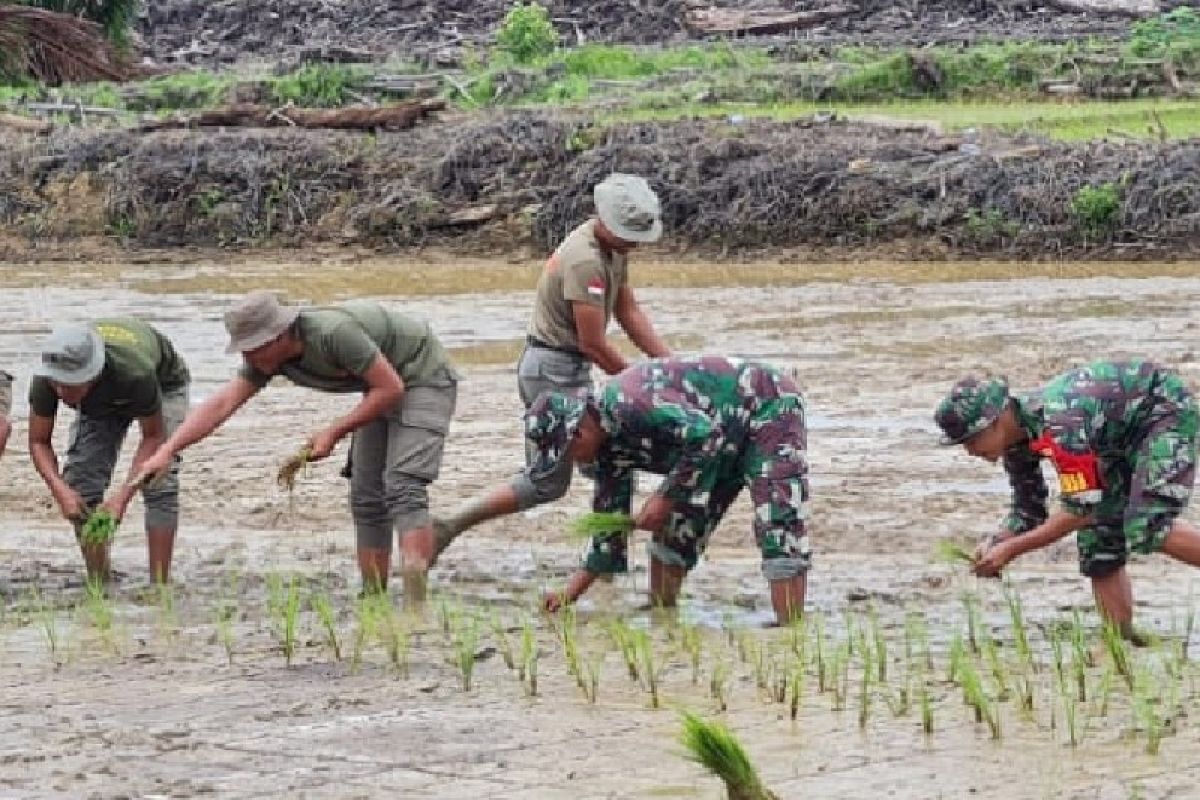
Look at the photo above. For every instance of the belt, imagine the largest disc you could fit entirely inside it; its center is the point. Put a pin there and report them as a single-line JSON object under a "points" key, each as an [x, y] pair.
{"points": [[533, 341]]}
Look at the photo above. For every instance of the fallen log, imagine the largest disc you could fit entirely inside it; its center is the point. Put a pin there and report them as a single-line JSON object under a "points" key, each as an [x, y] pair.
{"points": [[25, 124], [1116, 8], [387, 118], [761, 21]]}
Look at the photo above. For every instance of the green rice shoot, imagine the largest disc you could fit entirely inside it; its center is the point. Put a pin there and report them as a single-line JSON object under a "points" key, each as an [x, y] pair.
{"points": [[718, 750], [601, 523], [99, 528], [948, 551]]}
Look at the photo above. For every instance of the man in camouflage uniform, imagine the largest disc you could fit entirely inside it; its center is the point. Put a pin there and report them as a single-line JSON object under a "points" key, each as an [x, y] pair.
{"points": [[1122, 437], [711, 426]]}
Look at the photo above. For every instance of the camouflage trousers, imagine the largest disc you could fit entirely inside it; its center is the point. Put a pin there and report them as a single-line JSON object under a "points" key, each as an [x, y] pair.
{"points": [[1148, 488], [773, 465]]}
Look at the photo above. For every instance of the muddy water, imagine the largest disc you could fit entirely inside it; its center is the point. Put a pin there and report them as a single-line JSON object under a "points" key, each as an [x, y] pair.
{"points": [[154, 708]]}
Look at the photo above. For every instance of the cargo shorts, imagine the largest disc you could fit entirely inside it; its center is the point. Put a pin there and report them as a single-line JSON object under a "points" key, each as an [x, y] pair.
{"points": [[95, 444]]}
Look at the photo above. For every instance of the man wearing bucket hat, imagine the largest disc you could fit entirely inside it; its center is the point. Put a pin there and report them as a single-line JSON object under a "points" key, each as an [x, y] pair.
{"points": [[112, 372], [399, 427], [1122, 438], [585, 284], [711, 426]]}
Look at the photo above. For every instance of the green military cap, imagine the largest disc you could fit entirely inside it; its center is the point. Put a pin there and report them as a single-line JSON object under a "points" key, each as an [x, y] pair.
{"points": [[551, 422], [972, 405]]}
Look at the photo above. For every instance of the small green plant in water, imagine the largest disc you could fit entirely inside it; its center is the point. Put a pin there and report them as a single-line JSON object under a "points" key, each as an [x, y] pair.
{"points": [[100, 612], [466, 641], [948, 551], [714, 747], [601, 523], [323, 608]]}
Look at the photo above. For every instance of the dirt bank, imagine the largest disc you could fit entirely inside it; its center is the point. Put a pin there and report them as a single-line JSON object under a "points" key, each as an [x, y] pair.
{"points": [[518, 182], [202, 32]]}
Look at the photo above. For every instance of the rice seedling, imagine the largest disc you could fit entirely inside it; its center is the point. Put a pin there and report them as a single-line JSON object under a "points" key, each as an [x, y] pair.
{"points": [[958, 654], [971, 605], [991, 654], [718, 683], [1016, 615], [926, 707], [323, 608], [796, 682], [601, 523], [780, 678], [820, 656], [1189, 626], [99, 528], [1145, 705], [284, 603], [100, 612], [528, 671], [365, 628], [864, 695], [1106, 682], [948, 551], [650, 666], [286, 477], [1080, 658], [1118, 650], [503, 643], [48, 618], [1069, 701], [168, 624], [692, 643], [758, 660], [714, 746], [590, 683], [880, 646], [223, 623], [568, 634], [622, 637], [977, 698], [466, 642], [395, 637]]}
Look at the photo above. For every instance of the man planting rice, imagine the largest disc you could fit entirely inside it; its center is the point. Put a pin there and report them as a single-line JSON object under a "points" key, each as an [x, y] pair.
{"points": [[112, 372], [399, 426], [711, 426], [1122, 437]]}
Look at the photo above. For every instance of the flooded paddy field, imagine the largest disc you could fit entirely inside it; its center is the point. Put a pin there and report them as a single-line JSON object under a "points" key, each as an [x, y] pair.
{"points": [[190, 692]]}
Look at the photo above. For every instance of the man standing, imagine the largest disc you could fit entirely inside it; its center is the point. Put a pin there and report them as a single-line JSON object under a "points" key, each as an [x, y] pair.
{"points": [[112, 372], [409, 390], [1122, 437], [584, 284], [712, 426]]}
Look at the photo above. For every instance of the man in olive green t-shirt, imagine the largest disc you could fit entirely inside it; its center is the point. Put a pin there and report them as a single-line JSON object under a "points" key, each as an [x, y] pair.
{"points": [[583, 286], [399, 426], [113, 371]]}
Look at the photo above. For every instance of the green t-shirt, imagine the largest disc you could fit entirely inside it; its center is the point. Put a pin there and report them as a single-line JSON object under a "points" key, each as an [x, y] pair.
{"points": [[140, 364], [341, 342]]}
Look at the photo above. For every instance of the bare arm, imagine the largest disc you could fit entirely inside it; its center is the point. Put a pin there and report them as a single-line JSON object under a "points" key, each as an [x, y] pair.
{"points": [[208, 416], [593, 343], [637, 325], [154, 433], [41, 450], [1060, 524], [5, 430], [385, 388]]}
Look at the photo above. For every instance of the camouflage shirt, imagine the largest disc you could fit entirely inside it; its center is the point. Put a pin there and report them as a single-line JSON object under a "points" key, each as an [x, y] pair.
{"points": [[685, 418], [1082, 421]]}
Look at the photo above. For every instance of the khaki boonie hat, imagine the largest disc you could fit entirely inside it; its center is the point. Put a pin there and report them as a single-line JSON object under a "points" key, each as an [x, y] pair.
{"points": [[629, 208], [72, 354], [257, 318]]}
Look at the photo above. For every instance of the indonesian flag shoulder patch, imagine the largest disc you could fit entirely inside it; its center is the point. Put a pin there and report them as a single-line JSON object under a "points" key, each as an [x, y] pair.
{"points": [[595, 287]]}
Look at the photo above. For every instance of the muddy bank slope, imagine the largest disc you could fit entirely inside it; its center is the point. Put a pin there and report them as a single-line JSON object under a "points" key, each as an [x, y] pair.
{"points": [[203, 32], [521, 181]]}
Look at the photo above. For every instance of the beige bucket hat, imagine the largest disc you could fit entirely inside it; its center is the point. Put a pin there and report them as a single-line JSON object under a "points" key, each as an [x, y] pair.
{"points": [[629, 208], [257, 318]]}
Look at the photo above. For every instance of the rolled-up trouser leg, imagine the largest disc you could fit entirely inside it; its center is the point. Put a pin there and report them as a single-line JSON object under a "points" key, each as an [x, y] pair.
{"points": [[415, 447], [92, 455], [162, 498], [776, 468], [368, 454]]}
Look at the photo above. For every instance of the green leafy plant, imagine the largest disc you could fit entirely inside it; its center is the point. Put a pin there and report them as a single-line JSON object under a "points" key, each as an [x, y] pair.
{"points": [[324, 610], [526, 34], [1173, 33], [601, 523], [1095, 209]]}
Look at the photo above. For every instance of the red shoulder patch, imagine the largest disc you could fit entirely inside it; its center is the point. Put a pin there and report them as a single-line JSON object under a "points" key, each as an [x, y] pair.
{"points": [[1077, 472]]}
